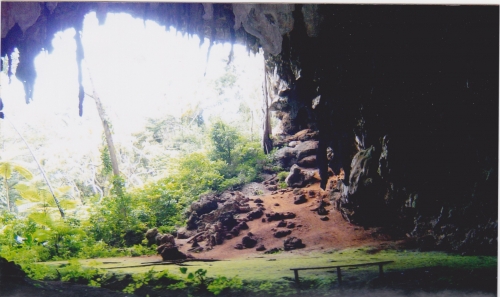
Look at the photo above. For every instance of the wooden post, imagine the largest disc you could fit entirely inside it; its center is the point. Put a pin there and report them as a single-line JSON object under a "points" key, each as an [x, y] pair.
{"points": [[297, 281], [339, 275]]}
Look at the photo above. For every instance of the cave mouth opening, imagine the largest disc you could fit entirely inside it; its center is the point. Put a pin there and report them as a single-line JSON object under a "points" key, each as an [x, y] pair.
{"points": [[141, 71]]}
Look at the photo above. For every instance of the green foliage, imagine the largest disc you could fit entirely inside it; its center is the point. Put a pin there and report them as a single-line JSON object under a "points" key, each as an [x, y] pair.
{"points": [[282, 175], [222, 284], [224, 140], [116, 221], [139, 280], [155, 280], [107, 168]]}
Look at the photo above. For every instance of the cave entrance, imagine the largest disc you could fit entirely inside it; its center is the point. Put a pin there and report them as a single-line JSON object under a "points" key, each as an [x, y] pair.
{"points": [[142, 72]]}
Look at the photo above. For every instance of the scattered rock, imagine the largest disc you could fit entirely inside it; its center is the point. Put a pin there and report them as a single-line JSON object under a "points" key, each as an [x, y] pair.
{"points": [[290, 225], [272, 188], [282, 224], [255, 214], [293, 243], [322, 211], [258, 200], [282, 233], [276, 204], [278, 216], [273, 251], [238, 246], [324, 219], [300, 199], [261, 248], [248, 241]]}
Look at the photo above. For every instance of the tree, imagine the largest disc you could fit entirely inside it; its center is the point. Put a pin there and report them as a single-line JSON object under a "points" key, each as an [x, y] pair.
{"points": [[224, 139], [6, 169], [267, 142], [107, 129], [41, 170]]}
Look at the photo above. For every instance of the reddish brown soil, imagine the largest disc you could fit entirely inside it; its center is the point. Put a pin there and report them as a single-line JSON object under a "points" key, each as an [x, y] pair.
{"points": [[335, 233]]}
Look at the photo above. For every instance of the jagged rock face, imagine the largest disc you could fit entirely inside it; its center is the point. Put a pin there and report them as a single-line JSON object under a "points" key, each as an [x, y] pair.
{"points": [[389, 81]]}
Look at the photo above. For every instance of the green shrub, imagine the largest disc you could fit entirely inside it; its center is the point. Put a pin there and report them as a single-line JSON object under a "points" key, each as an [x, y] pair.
{"points": [[222, 283], [282, 175]]}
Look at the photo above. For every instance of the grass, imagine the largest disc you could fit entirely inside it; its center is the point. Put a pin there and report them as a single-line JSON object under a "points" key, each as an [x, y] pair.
{"points": [[276, 267]]}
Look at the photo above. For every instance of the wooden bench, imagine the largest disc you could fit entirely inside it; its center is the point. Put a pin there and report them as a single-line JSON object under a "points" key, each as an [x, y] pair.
{"points": [[339, 274]]}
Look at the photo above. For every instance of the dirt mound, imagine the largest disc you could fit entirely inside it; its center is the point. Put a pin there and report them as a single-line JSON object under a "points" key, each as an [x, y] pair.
{"points": [[275, 218]]}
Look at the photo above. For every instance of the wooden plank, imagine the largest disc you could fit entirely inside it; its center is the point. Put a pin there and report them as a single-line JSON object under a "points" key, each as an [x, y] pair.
{"points": [[347, 265]]}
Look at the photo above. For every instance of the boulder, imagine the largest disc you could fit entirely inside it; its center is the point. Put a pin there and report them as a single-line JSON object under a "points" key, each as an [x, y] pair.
{"points": [[290, 225], [205, 204], [169, 252], [282, 233], [167, 238], [306, 149], [282, 224], [300, 199], [248, 241], [308, 162], [288, 156], [260, 248], [151, 236], [322, 211], [183, 233], [227, 220], [255, 214], [293, 243], [278, 216], [299, 177], [191, 223]]}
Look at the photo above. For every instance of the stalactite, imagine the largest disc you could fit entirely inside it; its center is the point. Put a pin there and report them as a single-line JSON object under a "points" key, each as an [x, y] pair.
{"points": [[79, 59]]}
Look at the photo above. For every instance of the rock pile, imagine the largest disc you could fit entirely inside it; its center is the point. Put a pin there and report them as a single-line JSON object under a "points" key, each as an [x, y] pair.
{"points": [[216, 218], [166, 245]]}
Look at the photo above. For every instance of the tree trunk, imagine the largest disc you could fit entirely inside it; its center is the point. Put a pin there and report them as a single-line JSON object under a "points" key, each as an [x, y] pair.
{"points": [[41, 170], [6, 186], [267, 142], [107, 130]]}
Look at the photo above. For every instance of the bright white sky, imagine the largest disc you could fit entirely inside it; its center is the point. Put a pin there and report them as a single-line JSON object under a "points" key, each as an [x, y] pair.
{"points": [[139, 70]]}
